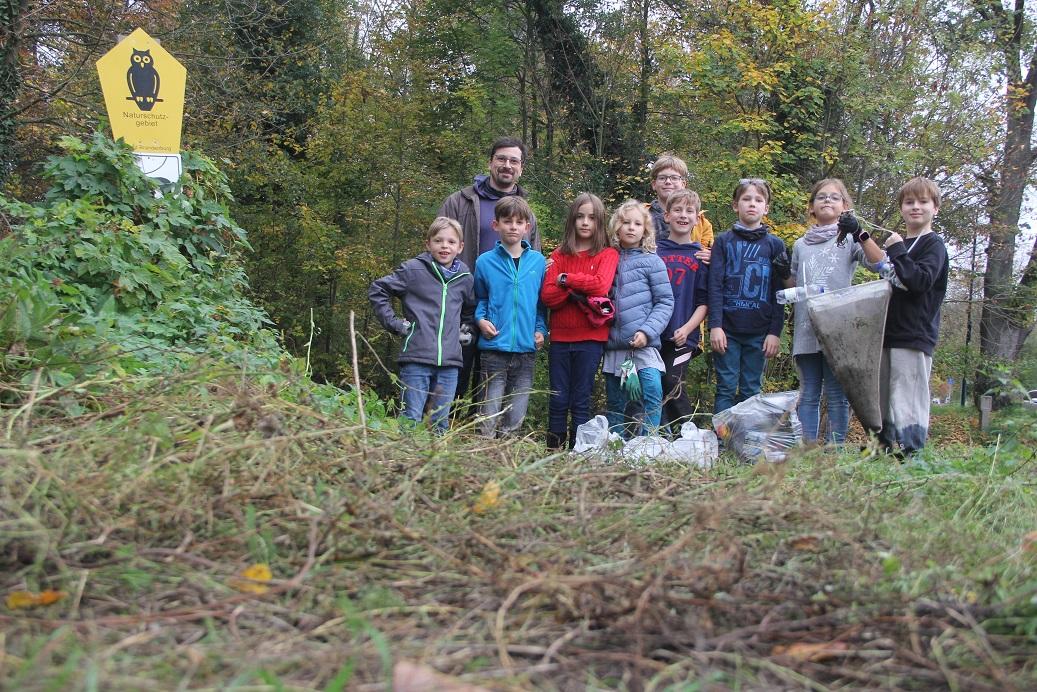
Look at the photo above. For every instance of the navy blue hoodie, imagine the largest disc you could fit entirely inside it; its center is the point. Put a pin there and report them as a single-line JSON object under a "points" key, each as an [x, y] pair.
{"points": [[742, 284], [689, 279]]}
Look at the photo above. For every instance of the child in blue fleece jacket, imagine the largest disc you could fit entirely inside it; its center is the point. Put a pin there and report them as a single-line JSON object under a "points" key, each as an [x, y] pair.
{"points": [[510, 317]]}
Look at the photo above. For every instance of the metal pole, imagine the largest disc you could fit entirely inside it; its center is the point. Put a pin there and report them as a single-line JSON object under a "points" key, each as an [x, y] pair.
{"points": [[968, 317]]}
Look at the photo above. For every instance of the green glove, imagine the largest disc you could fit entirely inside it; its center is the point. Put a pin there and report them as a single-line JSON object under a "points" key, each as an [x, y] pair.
{"points": [[629, 380]]}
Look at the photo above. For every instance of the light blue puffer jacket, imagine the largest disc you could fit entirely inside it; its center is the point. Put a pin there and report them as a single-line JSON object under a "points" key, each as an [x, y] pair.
{"points": [[643, 297]]}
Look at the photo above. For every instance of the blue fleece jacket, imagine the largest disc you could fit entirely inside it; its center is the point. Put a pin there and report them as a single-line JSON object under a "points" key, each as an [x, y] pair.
{"points": [[509, 297], [742, 284]]}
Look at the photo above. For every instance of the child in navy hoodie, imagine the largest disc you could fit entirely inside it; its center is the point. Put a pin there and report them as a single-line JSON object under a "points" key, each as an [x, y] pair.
{"points": [[748, 267], [690, 283]]}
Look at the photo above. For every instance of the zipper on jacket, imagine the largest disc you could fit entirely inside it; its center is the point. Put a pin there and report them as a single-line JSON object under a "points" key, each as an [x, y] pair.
{"points": [[514, 296], [442, 313]]}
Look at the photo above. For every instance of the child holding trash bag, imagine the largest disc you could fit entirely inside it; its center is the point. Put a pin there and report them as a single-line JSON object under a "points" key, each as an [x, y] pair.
{"points": [[919, 277], [824, 259], [575, 288], [748, 266], [644, 301]]}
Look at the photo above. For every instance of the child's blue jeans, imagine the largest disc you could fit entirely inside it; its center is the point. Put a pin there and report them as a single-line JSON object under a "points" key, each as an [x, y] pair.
{"points": [[739, 370], [572, 367], [508, 378], [428, 385], [651, 396], [814, 374]]}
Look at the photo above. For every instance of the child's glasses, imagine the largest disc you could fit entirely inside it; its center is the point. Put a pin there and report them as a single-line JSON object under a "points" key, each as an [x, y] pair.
{"points": [[825, 197], [669, 178]]}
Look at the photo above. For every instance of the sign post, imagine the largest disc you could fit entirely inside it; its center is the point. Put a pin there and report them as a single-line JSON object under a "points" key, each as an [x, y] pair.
{"points": [[143, 88]]}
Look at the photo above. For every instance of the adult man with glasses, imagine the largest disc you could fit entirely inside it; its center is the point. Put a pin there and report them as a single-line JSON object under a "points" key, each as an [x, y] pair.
{"points": [[472, 207]]}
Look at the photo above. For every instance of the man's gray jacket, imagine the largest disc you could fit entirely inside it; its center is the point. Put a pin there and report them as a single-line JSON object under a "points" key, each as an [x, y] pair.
{"points": [[463, 207]]}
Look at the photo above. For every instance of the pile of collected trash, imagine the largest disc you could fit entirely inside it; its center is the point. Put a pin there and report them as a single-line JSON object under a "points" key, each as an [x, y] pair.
{"points": [[763, 427], [694, 446]]}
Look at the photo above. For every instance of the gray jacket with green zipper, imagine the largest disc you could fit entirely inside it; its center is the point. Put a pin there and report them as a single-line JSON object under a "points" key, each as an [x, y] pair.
{"points": [[434, 306]]}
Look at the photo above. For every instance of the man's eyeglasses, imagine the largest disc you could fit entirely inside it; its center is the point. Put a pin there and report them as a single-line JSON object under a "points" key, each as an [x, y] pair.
{"points": [[825, 197], [507, 159], [669, 178]]}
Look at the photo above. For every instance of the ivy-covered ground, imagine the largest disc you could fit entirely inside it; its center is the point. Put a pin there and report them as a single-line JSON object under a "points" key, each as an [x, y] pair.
{"points": [[182, 508]]}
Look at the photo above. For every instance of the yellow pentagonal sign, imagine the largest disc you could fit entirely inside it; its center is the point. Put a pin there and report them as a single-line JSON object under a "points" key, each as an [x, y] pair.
{"points": [[143, 89]]}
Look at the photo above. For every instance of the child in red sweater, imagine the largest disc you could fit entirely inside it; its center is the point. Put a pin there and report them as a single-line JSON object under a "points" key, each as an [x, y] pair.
{"points": [[583, 265]]}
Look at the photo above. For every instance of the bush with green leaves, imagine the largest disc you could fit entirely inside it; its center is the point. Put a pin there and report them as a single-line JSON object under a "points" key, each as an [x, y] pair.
{"points": [[103, 274]]}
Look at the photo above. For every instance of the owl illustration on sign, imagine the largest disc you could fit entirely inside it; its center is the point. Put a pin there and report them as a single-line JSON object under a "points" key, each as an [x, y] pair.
{"points": [[142, 79]]}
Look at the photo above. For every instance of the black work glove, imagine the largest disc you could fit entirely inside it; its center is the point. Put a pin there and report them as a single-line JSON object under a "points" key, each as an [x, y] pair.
{"points": [[782, 266], [849, 226]]}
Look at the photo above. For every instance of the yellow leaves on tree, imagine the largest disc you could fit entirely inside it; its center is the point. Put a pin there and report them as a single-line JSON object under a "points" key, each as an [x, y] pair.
{"points": [[789, 233], [253, 579], [488, 498], [18, 600]]}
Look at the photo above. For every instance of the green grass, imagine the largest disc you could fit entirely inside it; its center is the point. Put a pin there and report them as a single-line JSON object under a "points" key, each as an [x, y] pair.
{"points": [[142, 498]]}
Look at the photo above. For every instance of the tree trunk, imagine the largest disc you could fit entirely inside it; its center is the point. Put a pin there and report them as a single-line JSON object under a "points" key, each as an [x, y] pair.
{"points": [[641, 106], [1008, 312], [12, 16]]}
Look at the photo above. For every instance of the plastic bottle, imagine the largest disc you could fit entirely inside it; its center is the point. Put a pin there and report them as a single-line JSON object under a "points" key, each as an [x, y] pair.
{"points": [[887, 271], [798, 293]]}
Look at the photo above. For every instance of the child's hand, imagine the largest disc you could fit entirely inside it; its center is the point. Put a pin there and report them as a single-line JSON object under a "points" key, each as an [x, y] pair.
{"points": [[849, 226], [640, 340], [538, 339], [718, 340], [487, 329], [771, 346], [703, 255], [892, 240], [782, 265], [404, 327], [680, 334]]}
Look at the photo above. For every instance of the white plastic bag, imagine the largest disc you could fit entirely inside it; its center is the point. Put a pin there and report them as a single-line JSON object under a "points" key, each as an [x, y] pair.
{"points": [[594, 435], [694, 447]]}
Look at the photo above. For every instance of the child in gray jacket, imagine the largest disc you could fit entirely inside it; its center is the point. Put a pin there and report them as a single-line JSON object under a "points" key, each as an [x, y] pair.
{"points": [[437, 294]]}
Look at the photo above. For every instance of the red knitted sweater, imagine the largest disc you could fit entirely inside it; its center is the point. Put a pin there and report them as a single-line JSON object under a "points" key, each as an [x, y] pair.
{"points": [[590, 275]]}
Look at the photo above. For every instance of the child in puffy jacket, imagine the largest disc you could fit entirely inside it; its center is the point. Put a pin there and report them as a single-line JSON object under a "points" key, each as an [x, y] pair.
{"points": [[644, 303]]}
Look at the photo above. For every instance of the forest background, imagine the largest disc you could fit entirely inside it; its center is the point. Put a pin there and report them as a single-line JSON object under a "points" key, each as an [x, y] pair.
{"points": [[342, 125]]}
